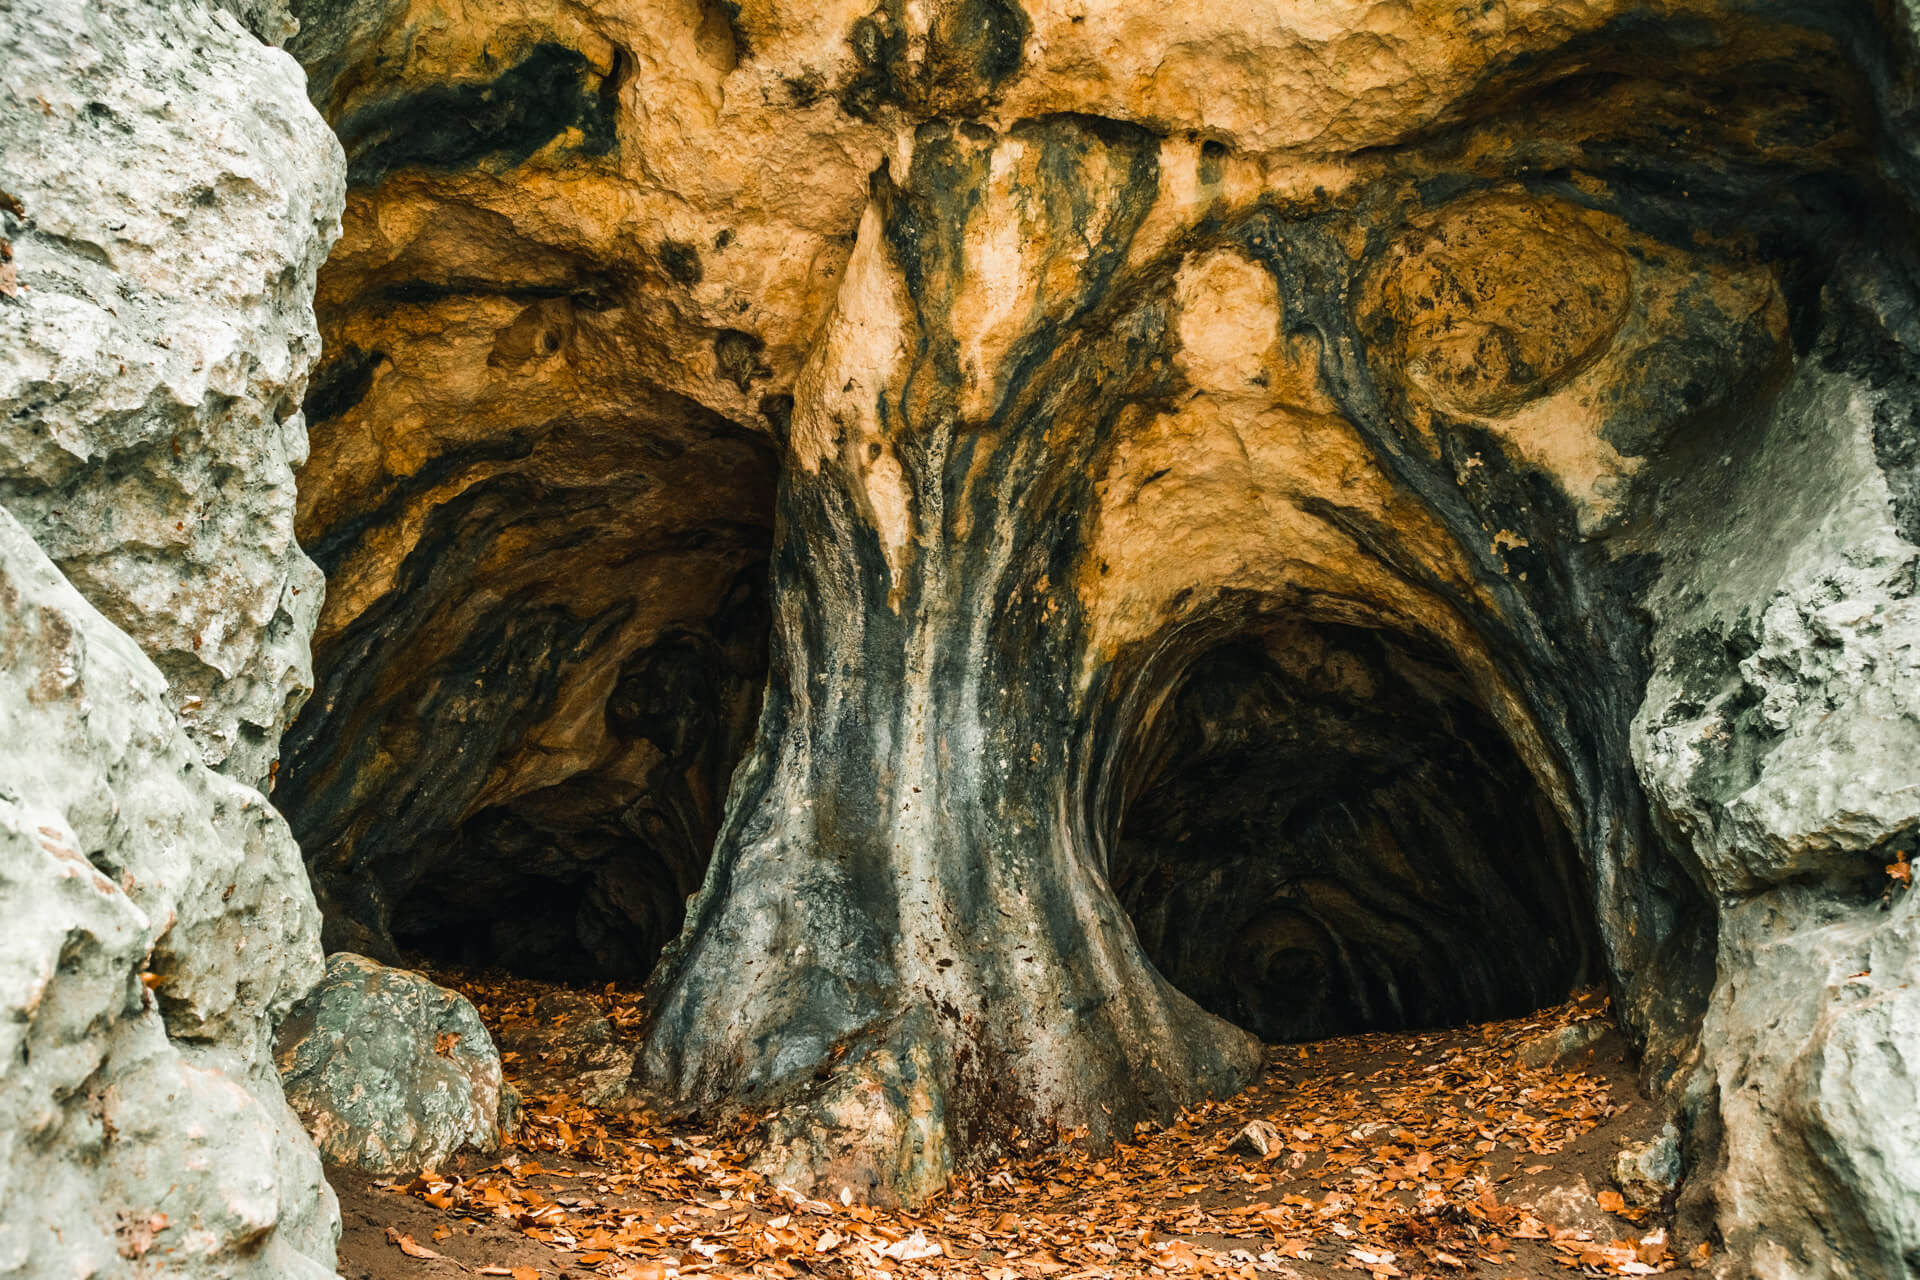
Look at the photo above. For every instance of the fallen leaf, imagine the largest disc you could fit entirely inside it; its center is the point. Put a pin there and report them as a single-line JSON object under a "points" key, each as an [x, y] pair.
{"points": [[911, 1248], [410, 1247]]}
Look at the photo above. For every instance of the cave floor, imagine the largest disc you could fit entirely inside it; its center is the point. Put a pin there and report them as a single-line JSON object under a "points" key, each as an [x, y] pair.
{"points": [[1418, 1154]]}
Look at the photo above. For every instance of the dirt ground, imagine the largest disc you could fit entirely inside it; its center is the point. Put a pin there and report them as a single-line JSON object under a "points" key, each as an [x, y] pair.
{"points": [[1421, 1154]]}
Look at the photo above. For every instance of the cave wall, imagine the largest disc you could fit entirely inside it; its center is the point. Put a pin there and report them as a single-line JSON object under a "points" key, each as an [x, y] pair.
{"points": [[542, 476], [166, 197]]}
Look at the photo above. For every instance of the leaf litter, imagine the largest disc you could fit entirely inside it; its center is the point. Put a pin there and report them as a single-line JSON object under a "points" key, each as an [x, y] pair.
{"points": [[1382, 1155]]}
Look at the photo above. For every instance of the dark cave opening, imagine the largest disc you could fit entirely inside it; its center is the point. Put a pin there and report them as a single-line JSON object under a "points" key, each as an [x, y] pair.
{"points": [[517, 755], [1331, 834], [585, 881]]}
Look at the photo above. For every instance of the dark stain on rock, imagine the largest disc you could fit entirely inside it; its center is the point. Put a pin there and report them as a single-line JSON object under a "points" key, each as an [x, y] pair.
{"points": [[591, 291], [1213, 162], [879, 45], [982, 39], [499, 122], [806, 89], [778, 412], [973, 49], [1698, 380], [330, 549], [737, 358], [341, 383], [681, 261]]}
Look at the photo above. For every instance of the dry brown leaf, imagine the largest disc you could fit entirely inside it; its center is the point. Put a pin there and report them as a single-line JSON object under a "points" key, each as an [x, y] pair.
{"points": [[410, 1247]]}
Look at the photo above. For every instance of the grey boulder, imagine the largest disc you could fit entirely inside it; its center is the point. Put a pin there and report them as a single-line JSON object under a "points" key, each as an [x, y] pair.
{"points": [[391, 1073]]}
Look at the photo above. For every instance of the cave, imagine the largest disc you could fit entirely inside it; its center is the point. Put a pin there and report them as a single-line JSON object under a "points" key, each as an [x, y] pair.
{"points": [[992, 560], [1330, 834], [520, 746], [1020, 612]]}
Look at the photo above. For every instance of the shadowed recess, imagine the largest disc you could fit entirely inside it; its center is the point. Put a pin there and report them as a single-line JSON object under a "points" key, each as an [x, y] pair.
{"points": [[1334, 836], [517, 752], [499, 121]]}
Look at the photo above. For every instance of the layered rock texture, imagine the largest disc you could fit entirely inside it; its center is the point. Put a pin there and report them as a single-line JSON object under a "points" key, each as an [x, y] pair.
{"points": [[166, 196], [159, 922], [1080, 534]]}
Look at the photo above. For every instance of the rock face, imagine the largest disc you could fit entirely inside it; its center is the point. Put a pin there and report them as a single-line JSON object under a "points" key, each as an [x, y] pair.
{"points": [[1648, 1172], [159, 922], [169, 198], [548, 628], [391, 1073], [166, 196], [1322, 514]]}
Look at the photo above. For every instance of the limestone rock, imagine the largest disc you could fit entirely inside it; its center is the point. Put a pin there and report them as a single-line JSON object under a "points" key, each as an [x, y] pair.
{"points": [[1259, 1139], [169, 197], [391, 1073], [1779, 734], [1555, 1048], [1648, 1172], [165, 199], [1568, 1203], [142, 1128]]}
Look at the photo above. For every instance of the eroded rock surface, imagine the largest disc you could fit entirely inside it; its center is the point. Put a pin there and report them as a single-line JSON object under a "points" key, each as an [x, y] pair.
{"points": [[166, 195], [542, 480], [1411, 503], [391, 1072], [159, 923], [169, 198]]}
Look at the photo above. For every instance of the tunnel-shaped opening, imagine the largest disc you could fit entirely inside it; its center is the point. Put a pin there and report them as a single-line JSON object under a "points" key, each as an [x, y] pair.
{"points": [[586, 880], [545, 658], [1330, 833]]}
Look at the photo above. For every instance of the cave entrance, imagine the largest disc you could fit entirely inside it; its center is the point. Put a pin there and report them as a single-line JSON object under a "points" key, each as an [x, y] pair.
{"points": [[541, 660], [586, 880], [1330, 833]]}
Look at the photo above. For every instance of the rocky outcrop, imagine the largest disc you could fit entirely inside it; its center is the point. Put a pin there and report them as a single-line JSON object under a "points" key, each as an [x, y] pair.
{"points": [[1779, 737], [170, 196], [159, 922], [1413, 505], [166, 196], [391, 1073]]}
